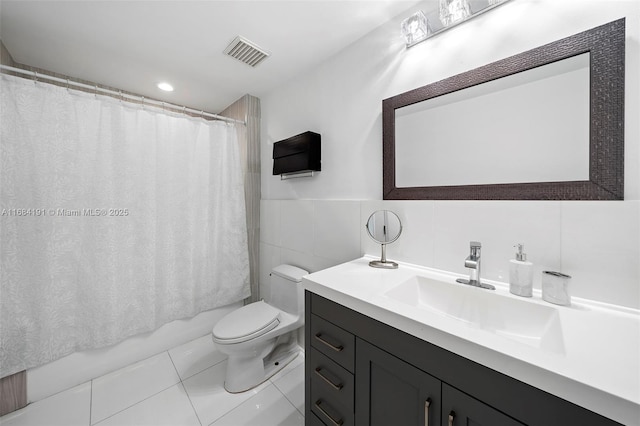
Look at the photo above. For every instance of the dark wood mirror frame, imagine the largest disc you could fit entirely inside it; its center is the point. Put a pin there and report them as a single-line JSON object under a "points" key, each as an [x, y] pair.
{"points": [[606, 45]]}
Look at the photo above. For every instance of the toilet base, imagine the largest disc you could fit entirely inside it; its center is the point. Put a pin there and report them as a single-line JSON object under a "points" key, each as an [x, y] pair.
{"points": [[244, 374]]}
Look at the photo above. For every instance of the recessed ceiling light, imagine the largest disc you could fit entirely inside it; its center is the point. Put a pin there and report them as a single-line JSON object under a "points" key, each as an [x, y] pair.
{"points": [[165, 86]]}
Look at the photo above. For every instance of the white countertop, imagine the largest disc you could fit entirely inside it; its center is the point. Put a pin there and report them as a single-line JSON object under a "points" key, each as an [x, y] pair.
{"points": [[598, 367]]}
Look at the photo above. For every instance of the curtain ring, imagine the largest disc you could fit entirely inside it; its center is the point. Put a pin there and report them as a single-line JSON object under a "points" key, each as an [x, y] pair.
{"points": [[67, 85], [35, 77], [95, 91], [120, 94], [143, 102]]}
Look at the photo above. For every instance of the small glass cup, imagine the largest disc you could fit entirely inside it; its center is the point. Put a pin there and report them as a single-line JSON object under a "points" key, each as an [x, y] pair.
{"points": [[555, 288]]}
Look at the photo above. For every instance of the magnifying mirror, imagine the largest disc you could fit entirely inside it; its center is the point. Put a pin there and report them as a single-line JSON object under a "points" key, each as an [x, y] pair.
{"points": [[384, 227]]}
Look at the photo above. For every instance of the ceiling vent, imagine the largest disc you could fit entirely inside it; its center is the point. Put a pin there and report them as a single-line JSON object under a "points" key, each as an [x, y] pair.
{"points": [[246, 51]]}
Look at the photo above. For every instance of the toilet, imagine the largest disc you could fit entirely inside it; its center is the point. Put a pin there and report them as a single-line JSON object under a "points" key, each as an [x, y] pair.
{"points": [[259, 339]]}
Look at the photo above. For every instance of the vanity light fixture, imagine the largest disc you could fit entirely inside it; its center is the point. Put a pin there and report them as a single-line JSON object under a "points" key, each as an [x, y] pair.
{"points": [[165, 86], [449, 13], [452, 11], [415, 28]]}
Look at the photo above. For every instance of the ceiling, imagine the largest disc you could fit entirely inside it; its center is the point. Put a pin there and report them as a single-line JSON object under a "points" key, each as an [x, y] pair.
{"points": [[133, 45]]}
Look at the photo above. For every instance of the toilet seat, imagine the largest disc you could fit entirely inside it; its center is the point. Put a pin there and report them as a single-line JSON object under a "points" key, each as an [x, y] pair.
{"points": [[250, 321]]}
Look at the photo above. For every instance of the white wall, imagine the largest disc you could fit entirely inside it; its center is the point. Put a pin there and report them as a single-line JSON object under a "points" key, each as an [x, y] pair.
{"points": [[598, 243]]}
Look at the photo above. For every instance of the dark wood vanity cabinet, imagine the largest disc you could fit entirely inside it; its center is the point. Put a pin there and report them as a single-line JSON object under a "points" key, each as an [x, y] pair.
{"points": [[362, 372], [330, 359], [458, 408], [392, 392]]}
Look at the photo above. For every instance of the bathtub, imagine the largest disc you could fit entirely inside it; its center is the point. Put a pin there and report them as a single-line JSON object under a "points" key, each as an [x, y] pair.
{"points": [[80, 367]]}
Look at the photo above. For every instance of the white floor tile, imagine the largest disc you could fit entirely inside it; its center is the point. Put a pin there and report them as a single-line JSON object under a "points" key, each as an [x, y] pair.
{"points": [[195, 356], [67, 408], [123, 388], [208, 396], [170, 407], [267, 408], [292, 386], [149, 393]]}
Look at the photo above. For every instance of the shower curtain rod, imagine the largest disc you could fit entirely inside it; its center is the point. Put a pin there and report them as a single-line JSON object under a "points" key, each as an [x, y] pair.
{"points": [[119, 94]]}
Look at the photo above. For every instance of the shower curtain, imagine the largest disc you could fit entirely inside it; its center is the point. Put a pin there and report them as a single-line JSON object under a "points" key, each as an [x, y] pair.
{"points": [[114, 220]]}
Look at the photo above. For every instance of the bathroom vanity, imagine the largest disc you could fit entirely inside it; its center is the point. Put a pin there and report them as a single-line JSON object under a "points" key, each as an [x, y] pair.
{"points": [[412, 347]]}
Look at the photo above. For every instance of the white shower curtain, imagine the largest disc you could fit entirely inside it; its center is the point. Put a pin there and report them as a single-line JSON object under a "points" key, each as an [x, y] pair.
{"points": [[114, 220]]}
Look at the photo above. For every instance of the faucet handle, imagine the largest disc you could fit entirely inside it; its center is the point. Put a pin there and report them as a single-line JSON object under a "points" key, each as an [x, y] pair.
{"points": [[475, 248]]}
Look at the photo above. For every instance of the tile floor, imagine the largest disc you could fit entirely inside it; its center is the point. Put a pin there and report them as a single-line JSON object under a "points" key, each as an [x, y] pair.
{"points": [[182, 386]]}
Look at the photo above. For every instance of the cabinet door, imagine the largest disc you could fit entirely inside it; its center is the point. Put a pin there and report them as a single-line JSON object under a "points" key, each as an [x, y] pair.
{"points": [[460, 409], [390, 391]]}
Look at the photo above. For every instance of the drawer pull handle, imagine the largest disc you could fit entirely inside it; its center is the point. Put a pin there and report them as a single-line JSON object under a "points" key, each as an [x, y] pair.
{"points": [[452, 415], [323, 377], [427, 404], [335, 348], [333, 421]]}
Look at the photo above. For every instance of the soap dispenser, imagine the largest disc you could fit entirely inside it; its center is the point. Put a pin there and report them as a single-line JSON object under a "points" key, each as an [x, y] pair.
{"points": [[521, 274]]}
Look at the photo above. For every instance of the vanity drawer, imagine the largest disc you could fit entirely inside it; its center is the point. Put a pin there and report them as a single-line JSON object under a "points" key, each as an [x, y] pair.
{"points": [[332, 378], [333, 341], [328, 408], [312, 420]]}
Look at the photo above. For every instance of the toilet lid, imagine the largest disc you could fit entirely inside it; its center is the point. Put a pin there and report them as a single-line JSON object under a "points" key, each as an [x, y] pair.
{"points": [[246, 323]]}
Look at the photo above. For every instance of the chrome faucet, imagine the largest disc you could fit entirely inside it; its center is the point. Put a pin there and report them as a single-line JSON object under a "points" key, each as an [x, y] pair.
{"points": [[473, 263]]}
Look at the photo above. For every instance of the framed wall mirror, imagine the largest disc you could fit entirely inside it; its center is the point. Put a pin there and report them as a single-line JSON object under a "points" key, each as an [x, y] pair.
{"points": [[546, 124]]}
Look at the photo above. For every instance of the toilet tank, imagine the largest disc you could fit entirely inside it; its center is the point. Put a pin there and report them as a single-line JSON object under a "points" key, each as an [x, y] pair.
{"points": [[286, 291]]}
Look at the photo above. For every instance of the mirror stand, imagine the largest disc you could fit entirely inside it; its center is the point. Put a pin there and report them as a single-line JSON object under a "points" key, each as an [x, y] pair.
{"points": [[384, 227], [383, 262]]}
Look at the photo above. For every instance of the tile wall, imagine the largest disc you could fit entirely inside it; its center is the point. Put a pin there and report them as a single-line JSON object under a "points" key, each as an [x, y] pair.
{"points": [[597, 243]]}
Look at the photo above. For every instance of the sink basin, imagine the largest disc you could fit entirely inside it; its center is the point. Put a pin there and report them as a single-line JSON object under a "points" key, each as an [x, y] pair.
{"points": [[519, 320]]}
